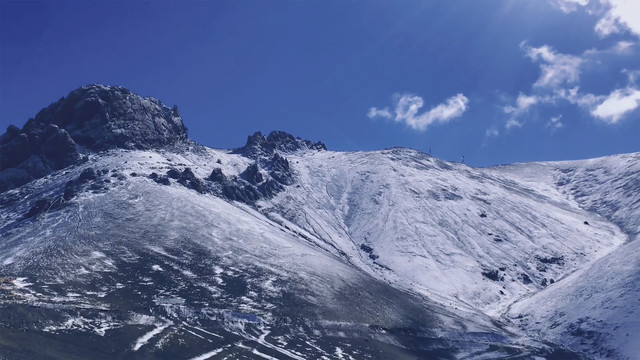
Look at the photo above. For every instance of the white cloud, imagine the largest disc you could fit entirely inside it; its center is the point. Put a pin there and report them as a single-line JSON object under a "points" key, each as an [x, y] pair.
{"points": [[607, 108], [523, 104], [556, 69], [568, 6], [513, 123], [383, 113], [632, 75], [492, 132], [555, 123], [524, 101], [560, 73], [615, 106], [622, 15], [573, 96], [623, 47], [407, 107]]}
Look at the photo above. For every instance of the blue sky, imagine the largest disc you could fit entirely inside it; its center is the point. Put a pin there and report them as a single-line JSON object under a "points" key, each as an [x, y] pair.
{"points": [[496, 81]]}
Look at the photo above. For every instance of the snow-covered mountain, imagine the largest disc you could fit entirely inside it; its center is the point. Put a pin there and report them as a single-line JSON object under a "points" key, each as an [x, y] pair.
{"points": [[121, 238]]}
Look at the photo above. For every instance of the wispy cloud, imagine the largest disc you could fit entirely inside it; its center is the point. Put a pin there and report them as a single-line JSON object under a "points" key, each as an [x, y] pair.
{"points": [[513, 123], [383, 113], [633, 76], [523, 103], [575, 97], [622, 47], [492, 132], [556, 69], [554, 123], [521, 108], [568, 6], [407, 109]]}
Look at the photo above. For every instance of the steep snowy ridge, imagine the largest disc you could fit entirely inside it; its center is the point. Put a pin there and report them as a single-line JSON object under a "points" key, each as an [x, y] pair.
{"points": [[156, 247]]}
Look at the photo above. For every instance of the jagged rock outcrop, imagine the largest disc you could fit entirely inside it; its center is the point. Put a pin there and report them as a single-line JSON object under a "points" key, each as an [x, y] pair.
{"points": [[252, 174], [218, 176], [280, 170], [257, 145], [263, 178], [91, 118], [270, 188], [189, 180], [267, 152]]}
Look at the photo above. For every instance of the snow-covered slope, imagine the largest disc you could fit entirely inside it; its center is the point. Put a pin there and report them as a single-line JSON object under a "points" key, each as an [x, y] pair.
{"points": [[280, 249], [470, 237], [157, 261], [607, 186], [595, 310]]}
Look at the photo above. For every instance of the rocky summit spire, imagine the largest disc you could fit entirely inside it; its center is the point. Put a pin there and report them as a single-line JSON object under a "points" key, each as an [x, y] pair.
{"points": [[91, 118], [277, 141]]}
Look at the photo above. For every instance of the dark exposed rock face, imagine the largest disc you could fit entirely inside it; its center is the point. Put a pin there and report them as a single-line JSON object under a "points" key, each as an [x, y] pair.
{"points": [[86, 175], [280, 170], [279, 175], [247, 188], [39, 207], [233, 188], [252, 174], [185, 178], [100, 118], [493, 275], [267, 152], [91, 118], [270, 188], [218, 176], [69, 191], [257, 145], [189, 180], [164, 180], [244, 193], [264, 178], [285, 142], [173, 174]]}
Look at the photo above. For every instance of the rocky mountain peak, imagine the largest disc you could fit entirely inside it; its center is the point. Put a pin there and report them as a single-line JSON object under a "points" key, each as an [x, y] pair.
{"points": [[91, 118], [277, 141], [102, 117]]}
